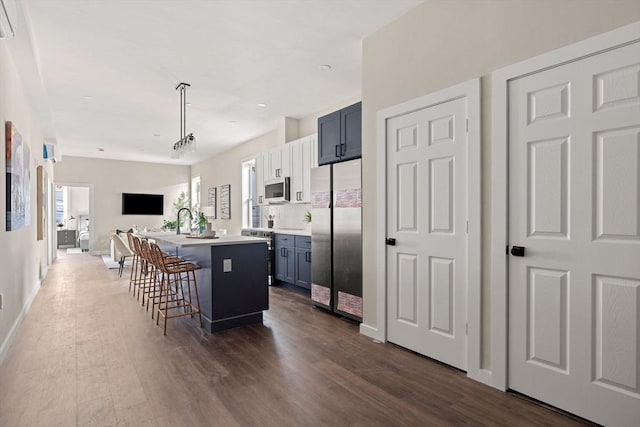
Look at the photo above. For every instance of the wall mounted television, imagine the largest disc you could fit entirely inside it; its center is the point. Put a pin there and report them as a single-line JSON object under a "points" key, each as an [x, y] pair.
{"points": [[142, 204]]}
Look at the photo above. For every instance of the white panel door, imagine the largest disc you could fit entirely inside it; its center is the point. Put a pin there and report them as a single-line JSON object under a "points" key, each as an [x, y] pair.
{"points": [[574, 205], [427, 215]]}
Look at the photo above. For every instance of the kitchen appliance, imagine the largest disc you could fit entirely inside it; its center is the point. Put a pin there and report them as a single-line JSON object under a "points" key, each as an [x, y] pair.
{"points": [[279, 191], [336, 238], [271, 245]]}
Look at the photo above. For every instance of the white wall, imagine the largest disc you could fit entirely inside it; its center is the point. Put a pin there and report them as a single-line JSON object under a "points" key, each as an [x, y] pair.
{"points": [[444, 42], [23, 259], [111, 178]]}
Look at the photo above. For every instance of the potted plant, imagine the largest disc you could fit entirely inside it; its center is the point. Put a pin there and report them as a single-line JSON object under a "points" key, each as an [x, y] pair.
{"points": [[270, 219], [202, 222]]}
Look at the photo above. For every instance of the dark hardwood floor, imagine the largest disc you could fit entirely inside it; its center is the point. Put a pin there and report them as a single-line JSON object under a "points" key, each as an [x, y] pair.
{"points": [[88, 354]]}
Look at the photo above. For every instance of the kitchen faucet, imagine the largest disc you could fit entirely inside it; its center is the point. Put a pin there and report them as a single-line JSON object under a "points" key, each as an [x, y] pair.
{"points": [[178, 220]]}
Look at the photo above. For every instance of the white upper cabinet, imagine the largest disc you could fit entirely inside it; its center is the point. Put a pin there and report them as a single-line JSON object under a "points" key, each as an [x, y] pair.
{"points": [[295, 160], [260, 171], [301, 163], [277, 164]]}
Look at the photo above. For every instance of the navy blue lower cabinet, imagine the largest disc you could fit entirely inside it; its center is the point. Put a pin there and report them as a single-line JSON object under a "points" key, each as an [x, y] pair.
{"points": [[293, 260], [285, 258], [303, 268]]}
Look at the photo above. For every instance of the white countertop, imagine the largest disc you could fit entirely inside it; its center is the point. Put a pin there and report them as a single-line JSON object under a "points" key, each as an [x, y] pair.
{"points": [[183, 240], [293, 231]]}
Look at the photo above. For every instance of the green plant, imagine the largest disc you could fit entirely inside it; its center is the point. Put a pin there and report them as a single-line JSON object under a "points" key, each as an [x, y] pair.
{"points": [[307, 217], [181, 202], [169, 225], [202, 220]]}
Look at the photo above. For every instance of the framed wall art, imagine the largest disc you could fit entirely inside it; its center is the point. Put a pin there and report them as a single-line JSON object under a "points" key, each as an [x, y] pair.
{"points": [[18, 179], [211, 200], [225, 201]]}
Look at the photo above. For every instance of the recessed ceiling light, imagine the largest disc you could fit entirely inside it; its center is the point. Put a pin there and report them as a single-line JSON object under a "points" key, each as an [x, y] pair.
{"points": [[233, 121], [188, 104], [88, 97], [262, 105], [100, 149], [325, 67], [156, 134]]}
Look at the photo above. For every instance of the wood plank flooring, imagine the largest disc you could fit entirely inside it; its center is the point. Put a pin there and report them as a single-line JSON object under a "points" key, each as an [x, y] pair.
{"points": [[88, 355]]}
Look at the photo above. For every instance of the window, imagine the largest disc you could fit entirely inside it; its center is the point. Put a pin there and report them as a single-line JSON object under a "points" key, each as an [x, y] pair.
{"points": [[250, 210], [60, 205], [195, 194]]}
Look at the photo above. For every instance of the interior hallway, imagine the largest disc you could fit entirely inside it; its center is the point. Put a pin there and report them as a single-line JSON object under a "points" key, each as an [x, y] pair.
{"points": [[88, 354]]}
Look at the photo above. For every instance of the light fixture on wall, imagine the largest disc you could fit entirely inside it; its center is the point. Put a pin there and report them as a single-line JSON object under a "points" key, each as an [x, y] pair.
{"points": [[186, 143]]}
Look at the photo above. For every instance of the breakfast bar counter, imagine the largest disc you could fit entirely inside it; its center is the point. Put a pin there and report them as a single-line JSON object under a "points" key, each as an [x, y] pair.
{"points": [[232, 280]]}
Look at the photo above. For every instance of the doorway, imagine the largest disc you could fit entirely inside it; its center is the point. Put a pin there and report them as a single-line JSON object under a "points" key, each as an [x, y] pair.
{"points": [[572, 151], [429, 225], [73, 213]]}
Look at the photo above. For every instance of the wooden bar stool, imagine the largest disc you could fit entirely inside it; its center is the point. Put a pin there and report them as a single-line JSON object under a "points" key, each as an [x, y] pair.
{"points": [[182, 298], [154, 275], [149, 285], [137, 267]]}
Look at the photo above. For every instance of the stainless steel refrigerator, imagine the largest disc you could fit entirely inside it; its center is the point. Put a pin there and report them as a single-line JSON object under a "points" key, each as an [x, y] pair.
{"points": [[336, 238]]}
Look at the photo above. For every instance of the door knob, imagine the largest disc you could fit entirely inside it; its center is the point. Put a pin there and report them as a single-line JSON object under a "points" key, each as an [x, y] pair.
{"points": [[390, 242], [517, 250]]}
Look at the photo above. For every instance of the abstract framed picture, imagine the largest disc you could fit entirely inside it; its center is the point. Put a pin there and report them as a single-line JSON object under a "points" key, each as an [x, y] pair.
{"points": [[18, 191]]}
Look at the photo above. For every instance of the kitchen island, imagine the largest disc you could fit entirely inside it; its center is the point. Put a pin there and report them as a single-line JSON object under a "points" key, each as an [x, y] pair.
{"points": [[232, 280]]}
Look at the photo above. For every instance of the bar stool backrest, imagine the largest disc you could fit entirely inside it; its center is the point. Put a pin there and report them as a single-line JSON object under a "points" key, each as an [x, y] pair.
{"points": [[157, 256], [145, 251], [132, 243]]}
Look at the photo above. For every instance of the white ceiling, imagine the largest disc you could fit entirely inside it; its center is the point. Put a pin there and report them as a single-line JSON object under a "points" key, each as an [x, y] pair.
{"points": [[128, 56]]}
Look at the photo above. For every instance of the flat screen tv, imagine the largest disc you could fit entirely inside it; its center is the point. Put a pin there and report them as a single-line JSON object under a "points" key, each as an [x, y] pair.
{"points": [[142, 204]]}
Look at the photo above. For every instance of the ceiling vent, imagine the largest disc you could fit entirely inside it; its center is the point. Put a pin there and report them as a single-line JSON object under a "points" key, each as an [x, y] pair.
{"points": [[8, 19]]}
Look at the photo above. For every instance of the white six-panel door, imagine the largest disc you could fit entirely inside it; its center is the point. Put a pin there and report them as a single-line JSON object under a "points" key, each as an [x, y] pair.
{"points": [[427, 217], [574, 204]]}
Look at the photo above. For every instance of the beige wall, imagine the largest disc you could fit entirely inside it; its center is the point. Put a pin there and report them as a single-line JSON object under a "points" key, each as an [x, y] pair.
{"points": [[444, 42], [23, 259], [111, 178]]}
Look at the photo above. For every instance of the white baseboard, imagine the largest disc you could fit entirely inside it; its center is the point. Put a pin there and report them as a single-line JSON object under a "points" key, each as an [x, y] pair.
{"points": [[485, 376], [371, 332], [6, 344]]}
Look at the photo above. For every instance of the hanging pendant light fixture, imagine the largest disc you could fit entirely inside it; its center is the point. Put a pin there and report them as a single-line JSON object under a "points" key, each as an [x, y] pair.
{"points": [[186, 143]]}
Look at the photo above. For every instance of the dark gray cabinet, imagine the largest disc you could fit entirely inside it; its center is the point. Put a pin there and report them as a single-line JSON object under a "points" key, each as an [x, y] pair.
{"points": [[293, 260], [66, 238], [285, 258], [303, 261], [340, 135]]}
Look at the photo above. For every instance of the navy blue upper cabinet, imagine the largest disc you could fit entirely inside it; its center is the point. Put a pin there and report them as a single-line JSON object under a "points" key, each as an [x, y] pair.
{"points": [[340, 135]]}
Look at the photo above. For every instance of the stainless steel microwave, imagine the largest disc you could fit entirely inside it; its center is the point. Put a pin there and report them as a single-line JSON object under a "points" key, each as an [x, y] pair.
{"points": [[278, 192]]}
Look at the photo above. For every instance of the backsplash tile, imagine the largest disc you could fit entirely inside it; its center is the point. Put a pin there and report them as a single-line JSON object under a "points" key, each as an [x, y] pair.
{"points": [[288, 215]]}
